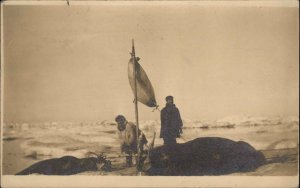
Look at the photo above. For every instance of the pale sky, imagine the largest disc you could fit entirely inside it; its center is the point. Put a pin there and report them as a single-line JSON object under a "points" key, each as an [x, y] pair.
{"points": [[70, 63]]}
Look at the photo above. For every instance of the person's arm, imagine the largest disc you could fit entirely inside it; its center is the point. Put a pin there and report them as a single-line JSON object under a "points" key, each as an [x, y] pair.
{"points": [[122, 143], [162, 124], [131, 134], [179, 121]]}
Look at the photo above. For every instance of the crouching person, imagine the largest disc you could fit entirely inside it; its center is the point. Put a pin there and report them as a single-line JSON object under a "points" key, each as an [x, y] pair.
{"points": [[128, 138]]}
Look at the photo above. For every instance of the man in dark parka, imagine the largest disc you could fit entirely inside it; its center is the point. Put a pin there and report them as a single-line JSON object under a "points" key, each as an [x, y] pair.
{"points": [[171, 123]]}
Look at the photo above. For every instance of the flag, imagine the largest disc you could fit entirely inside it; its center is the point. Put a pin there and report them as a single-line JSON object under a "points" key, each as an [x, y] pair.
{"points": [[145, 91]]}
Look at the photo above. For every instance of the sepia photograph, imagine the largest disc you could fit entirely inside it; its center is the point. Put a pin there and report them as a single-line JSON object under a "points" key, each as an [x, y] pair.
{"points": [[155, 89]]}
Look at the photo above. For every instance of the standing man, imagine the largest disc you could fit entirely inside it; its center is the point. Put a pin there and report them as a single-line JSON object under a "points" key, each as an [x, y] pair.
{"points": [[171, 123], [128, 138]]}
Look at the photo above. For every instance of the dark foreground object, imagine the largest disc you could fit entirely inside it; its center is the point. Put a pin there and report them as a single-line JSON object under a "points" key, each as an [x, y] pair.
{"points": [[205, 156], [67, 165]]}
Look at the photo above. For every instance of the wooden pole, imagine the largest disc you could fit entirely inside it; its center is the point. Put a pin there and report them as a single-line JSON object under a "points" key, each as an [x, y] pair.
{"points": [[136, 106]]}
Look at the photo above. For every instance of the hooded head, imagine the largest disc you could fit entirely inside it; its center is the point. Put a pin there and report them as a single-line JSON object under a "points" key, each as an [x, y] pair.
{"points": [[121, 121], [169, 99]]}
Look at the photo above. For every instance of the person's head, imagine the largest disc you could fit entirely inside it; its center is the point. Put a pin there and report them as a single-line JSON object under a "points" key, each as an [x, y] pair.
{"points": [[169, 99], [121, 121]]}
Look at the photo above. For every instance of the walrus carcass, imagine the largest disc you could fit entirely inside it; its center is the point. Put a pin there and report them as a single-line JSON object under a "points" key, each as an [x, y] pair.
{"points": [[67, 165], [205, 156]]}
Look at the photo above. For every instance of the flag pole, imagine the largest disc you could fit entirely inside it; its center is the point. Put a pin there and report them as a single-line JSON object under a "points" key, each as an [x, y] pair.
{"points": [[136, 107]]}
